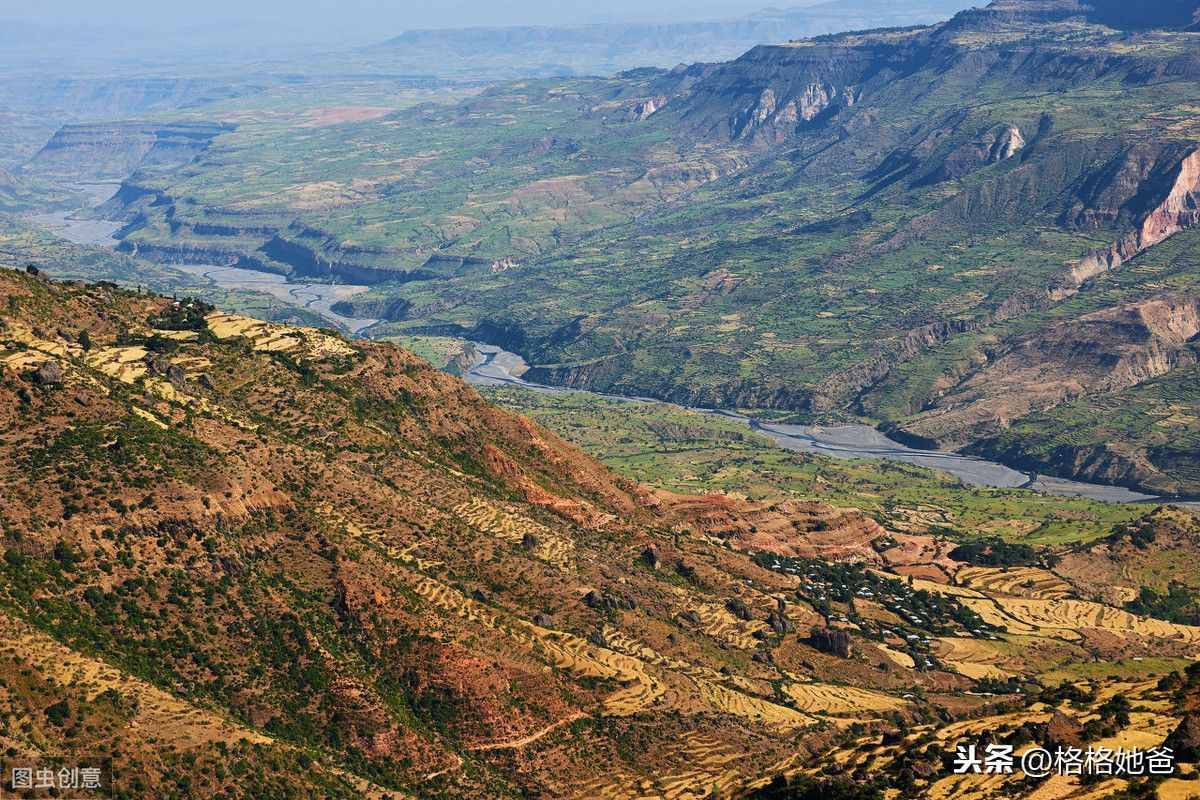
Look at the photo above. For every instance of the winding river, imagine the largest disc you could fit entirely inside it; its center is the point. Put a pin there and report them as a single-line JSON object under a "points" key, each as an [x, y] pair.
{"points": [[318, 297], [497, 367]]}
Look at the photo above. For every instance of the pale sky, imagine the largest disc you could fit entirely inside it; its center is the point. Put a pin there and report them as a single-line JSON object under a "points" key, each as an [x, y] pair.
{"points": [[376, 19]]}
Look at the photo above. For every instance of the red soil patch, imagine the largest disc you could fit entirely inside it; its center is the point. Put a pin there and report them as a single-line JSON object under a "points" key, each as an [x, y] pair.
{"points": [[335, 115]]}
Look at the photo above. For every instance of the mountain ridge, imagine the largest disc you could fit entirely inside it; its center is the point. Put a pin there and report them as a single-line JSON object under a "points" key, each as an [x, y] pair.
{"points": [[1181, 15]]}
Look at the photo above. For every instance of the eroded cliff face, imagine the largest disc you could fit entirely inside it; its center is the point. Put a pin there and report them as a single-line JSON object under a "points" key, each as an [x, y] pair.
{"points": [[770, 121], [113, 151], [1099, 353], [1144, 192], [773, 92], [1160, 191], [992, 146]]}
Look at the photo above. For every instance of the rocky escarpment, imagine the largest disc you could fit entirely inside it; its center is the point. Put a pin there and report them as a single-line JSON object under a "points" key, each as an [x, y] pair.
{"points": [[846, 387], [389, 309], [991, 146], [772, 92], [109, 151], [1157, 191], [197, 253], [1099, 353], [950, 149], [615, 375], [1162, 14], [175, 230], [1145, 192], [1093, 463], [308, 259], [1087, 440]]}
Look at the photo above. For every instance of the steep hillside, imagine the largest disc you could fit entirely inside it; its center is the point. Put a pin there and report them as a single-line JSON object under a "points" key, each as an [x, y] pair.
{"points": [[332, 551], [316, 568]]}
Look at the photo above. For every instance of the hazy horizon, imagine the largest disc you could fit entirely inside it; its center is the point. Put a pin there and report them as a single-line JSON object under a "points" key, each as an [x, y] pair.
{"points": [[364, 20]]}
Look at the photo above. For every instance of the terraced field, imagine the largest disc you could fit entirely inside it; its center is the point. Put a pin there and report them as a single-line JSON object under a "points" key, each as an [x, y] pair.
{"points": [[161, 714], [1065, 617], [523, 605], [712, 767], [510, 526], [718, 623], [1029, 582], [971, 657], [1145, 729], [830, 699], [268, 337]]}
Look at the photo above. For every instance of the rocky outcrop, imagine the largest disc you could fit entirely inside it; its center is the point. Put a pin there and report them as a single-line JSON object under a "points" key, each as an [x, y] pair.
{"points": [[772, 121], [504, 264], [314, 254], [130, 204], [651, 557], [185, 252], [1015, 194], [615, 375], [832, 641], [48, 373], [641, 110], [389, 309], [778, 620], [608, 601], [1185, 739], [738, 608], [307, 260], [772, 92], [1064, 730], [1093, 463], [1157, 189]]}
